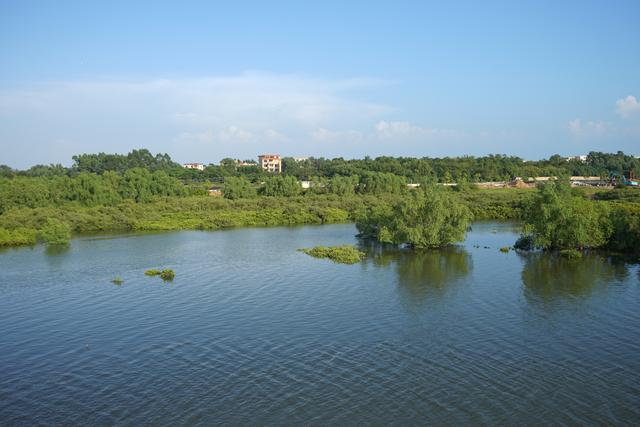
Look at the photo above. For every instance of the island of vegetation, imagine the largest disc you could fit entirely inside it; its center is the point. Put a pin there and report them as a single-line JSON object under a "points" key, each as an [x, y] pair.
{"points": [[410, 201], [166, 274], [346, 254]]}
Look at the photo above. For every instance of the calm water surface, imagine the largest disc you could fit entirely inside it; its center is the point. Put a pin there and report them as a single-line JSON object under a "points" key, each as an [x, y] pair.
{"points": [[253, 332]]}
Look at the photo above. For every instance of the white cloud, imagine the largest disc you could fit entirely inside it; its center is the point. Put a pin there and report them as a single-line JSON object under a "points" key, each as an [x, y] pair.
{"points": [[581, 129], [628, 106], [220, 112], [403, 129]]}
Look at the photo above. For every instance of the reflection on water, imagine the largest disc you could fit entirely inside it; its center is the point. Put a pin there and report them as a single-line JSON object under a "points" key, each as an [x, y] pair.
{"points": [[548, 276], [422, 273]]}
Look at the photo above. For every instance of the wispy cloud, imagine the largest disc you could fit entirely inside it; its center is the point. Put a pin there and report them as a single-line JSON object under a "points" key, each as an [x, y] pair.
{"points": [[224, 114], [588, 129], [628, 106]]}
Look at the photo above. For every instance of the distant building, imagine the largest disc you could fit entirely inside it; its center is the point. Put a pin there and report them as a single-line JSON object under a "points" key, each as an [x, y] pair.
{"points": [[581, 158], [238, 163], [300, 159], [198, 166], [215, 191], [270, 162]]}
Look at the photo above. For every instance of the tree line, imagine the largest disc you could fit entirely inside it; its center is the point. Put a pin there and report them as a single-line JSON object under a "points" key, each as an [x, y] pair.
{"points": [[446, 169]]}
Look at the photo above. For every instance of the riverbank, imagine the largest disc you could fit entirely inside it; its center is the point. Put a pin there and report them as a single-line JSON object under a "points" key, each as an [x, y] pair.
{"points": [[214, 213]]}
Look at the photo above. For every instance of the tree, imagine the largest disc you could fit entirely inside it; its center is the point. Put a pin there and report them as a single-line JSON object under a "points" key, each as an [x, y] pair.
{"points": [[282, 186], [55, 232], [429, 217], [238, 188], [559, 218], [343, 185]]}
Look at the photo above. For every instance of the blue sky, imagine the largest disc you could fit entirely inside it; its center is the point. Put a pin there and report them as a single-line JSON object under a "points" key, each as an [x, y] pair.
{"points": [[206, 80]]}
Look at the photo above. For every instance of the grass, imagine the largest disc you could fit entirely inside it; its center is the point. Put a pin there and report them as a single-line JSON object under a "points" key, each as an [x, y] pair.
{"points": [[152, 272], [346, 254]]}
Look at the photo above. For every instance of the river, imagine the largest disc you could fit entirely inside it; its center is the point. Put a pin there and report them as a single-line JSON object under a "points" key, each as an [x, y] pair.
{"points": [[253, 332]]}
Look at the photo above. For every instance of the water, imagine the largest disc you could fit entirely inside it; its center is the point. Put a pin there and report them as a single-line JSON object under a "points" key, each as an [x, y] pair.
{"points": [[253, 332]]}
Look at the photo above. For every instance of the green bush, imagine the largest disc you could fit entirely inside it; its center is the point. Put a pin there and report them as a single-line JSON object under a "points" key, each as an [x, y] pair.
{"points": [[17, 237], [428, 217], [561, 218], [238, 188], [55, 232], [152, 272], [504, 249]]}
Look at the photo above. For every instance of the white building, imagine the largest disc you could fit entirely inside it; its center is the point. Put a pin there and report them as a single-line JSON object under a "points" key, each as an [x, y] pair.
{"points": [[198, 166], [270, 162], [581, 158]]}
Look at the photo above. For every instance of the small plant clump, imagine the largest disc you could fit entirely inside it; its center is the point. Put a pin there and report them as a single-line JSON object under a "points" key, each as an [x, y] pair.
{"points": [[571, 254], [167, 274], [346, 254], [504, 249], [117, 281]]}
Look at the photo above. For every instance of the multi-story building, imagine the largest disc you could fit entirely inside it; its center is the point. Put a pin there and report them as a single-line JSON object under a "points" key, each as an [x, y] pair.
{"points": [[198, 166], [270, 162]]}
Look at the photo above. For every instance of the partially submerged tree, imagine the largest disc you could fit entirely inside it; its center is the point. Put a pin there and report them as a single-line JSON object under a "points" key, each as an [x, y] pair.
{"points": [[429, 217], [560, 218]]}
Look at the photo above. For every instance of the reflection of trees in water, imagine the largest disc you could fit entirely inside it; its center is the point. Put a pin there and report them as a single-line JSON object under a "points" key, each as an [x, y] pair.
{"points": [[422, 272], [549, 276]]}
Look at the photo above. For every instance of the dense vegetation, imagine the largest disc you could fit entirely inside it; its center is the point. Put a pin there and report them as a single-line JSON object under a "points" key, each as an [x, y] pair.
{"points": [[141, 191], [447, 169], [561, 218], [429, 217], [346, 254]]}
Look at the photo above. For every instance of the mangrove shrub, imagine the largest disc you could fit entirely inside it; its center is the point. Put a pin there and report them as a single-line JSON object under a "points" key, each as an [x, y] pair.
{"points": [[560, 218], [428, 217], [55, 232]]}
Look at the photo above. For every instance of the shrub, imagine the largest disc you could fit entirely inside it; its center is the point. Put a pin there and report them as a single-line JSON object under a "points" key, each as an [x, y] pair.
{"points": [[55, 232], [504, 249], [524, 243], [429, 217], [238, 188], [559, 218], [152, 272], [17, 237]]}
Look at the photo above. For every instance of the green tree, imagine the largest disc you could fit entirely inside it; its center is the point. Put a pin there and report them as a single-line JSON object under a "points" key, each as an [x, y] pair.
{"points": [[561, 218], [55, 232], [282, 186], [429, 217], [238, 188]]}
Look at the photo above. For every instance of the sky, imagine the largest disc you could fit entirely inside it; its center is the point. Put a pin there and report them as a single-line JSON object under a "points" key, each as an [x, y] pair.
{"points": [[207, 80]]}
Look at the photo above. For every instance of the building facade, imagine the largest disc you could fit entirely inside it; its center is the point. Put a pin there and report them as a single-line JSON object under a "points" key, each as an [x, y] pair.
{"points": [[270, 162], [198, 166]]}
